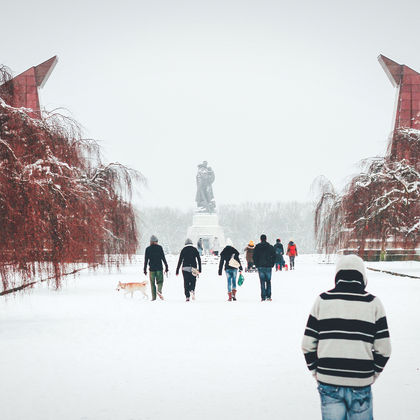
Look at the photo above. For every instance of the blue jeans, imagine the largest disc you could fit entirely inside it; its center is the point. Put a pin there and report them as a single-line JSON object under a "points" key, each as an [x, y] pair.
{"points": [[345, 403], [265, 281], [231, 278]]}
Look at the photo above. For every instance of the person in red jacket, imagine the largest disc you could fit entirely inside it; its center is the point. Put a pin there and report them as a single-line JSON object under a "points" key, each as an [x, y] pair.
{"points": [[292, 253]]}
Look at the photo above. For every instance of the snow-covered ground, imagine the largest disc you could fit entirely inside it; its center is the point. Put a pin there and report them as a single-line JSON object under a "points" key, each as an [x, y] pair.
{"points": [[88, 352]]}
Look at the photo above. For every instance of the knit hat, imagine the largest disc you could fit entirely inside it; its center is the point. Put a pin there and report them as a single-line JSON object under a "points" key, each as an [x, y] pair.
{"points": [[154, 238], [351, 262], [188, 241], [251, 243]]}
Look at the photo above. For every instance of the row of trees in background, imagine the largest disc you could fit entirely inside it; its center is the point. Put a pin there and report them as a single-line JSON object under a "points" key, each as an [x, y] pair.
{"points": [[287, 221], [379, 207], [242, 223], [59, 204], [168, 224]]}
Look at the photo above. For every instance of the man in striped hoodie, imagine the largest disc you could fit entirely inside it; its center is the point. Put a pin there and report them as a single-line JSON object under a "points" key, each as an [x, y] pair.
{"points": [[346, 343]]}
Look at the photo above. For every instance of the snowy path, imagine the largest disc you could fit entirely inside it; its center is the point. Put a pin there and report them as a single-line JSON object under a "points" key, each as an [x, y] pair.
{"points": [[86, 352]]}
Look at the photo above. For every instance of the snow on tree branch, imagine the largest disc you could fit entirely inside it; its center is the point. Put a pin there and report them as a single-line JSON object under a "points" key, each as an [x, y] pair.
{"points": [[381, 202], [59, 203]]}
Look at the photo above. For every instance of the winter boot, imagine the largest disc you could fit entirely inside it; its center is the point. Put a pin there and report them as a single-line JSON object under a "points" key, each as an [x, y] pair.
{"points": [[187, 299], [234, 294], [230, 296]]}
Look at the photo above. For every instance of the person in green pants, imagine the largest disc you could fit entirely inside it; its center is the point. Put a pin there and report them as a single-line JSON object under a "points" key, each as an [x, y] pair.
{"points": [[154, 256]]}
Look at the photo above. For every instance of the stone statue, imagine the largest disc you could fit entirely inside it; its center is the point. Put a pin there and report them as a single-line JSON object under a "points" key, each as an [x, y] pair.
{"points": [[204, 197]]}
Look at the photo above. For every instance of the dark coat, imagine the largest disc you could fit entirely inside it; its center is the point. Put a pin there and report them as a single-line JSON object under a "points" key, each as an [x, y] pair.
{"points": [[264, 255], [189, 257], [225, 257], [279, 250], [154, 255]]}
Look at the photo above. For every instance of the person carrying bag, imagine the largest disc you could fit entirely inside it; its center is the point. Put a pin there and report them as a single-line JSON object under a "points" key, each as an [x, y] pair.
{"points": [[190, 260], [229, 258]]}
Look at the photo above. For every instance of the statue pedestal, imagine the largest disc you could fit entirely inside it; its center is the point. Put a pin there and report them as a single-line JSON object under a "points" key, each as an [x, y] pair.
{"points": [[206, 226]]}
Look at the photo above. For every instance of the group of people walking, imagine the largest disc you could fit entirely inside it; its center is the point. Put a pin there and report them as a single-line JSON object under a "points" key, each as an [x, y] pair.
{"points": [[189, 260], [346, 342], [263, 257], [279, 261]]}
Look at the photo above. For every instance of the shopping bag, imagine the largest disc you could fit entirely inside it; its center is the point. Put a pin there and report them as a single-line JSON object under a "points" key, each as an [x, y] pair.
{"points": [[241, 280]]}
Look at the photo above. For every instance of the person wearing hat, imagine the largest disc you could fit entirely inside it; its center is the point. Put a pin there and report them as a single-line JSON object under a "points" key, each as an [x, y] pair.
{"points": [[249, 254], [190, 259], [346, 343], [154, 256], [279, 261]]}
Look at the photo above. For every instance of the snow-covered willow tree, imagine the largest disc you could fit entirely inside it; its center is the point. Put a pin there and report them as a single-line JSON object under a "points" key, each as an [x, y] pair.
{"points": [[381, 204], [328, 216], [59, 204]]}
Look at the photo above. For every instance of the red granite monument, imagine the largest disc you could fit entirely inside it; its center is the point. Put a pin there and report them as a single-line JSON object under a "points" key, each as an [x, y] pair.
{"points": [[25, 86], [378, 215], [407, 107]]}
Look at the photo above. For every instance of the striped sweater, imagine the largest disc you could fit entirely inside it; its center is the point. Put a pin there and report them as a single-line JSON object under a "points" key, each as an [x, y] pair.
{"points": [[346, 341]]}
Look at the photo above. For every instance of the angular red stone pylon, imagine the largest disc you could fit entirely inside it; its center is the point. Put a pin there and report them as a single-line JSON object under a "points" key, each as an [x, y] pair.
{"points": [[407, 81], [407, 107], [26, 85]]}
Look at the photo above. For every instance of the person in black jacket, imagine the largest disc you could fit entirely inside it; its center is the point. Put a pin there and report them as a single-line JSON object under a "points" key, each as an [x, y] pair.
{"points": [[231, 271], [278, 248], [189, 258], [154, 255], [264, 257]]}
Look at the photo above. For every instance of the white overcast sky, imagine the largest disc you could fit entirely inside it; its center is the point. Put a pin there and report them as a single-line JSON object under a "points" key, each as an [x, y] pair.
{"points": [[271, 93]]}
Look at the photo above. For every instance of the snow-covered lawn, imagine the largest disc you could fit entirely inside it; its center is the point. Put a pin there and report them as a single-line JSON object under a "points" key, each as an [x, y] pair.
{"points": [[411, 268], [88, 352]]}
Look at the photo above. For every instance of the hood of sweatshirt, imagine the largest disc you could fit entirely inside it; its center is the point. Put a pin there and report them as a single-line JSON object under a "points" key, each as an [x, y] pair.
{"points": [[350, 268]]}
